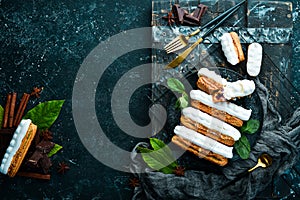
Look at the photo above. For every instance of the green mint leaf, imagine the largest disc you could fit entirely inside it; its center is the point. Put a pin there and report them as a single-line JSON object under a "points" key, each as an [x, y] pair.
{"points": [[44, 114], [161, 158], [155, 160], [54, 150], [242, 146], [251, 126], [182, 102], [185, 96], [175, 85], [1, 115], [177, 104], [157, 144]]}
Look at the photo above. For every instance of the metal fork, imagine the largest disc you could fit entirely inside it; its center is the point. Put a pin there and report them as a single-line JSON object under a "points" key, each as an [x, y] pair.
{"points": [[181, 57], [181, 41]]}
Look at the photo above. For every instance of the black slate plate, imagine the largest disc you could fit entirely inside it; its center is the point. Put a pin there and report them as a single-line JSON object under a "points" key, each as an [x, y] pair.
{"points": [[187, 159]]}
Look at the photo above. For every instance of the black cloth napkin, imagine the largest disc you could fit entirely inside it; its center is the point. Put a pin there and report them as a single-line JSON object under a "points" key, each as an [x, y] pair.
{"points": [[281, 142]]}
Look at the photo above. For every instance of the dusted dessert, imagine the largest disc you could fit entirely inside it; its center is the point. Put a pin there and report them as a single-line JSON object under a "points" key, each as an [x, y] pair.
{"points": [[18, 147], [232, 48]]}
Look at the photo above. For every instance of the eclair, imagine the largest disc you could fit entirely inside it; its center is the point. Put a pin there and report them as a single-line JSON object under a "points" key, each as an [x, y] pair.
{"points": [[232, 48], [254, 59], [209, 126], [220, 88], [199, 151], [205, 146], [18, 147], [225, 111]]}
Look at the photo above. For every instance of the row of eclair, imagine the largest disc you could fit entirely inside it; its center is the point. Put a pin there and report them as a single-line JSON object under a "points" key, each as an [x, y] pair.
{"points": [[208, 128]]}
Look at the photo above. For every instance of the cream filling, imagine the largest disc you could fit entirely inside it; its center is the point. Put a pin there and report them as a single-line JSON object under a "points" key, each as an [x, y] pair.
{"points": [[14, 145], [229, 49], [212, 75], [227, 107], [211, 122], [238, 88], [203, 141]]}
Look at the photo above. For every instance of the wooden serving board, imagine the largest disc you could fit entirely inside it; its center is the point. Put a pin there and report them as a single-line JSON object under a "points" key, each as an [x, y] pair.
{"points": [[267, 22]]}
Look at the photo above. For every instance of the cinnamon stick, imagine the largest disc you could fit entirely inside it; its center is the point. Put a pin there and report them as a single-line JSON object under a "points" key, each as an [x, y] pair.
{"points": [[12, 109], [34, 175], [6, 111], [21, 109]]}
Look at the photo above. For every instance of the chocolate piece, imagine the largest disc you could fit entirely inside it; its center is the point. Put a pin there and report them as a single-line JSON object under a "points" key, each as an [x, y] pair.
{"points": [[199, 12], [45, 146], [34, 159], [45, 163], [179, 13], [182, 16], [37, 139], [40, 159], [191, 20]]}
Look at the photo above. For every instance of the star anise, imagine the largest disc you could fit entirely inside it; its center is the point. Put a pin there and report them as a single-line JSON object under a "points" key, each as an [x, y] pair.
{"points": [[36, 92], [134, 182], [62, 167], [179, 171], [47, 135]]}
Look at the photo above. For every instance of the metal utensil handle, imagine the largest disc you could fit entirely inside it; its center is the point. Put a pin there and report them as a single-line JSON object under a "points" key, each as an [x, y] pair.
{"points": [[180, 58], [219, 23], [222, 15], [228, 12]]}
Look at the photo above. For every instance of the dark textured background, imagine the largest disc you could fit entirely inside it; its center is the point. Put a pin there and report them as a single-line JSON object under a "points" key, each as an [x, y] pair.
{"points": [[43, 43]]}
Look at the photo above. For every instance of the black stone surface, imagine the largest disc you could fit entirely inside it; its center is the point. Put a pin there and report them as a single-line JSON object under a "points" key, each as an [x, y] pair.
{"points": [[43, 43]]}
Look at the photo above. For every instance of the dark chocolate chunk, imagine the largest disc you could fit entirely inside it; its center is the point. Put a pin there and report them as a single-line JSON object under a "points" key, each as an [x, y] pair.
{"points": [[178, 13], [199, 11], [45, 146], [45, 163], [34, 159], [191, 20]]}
